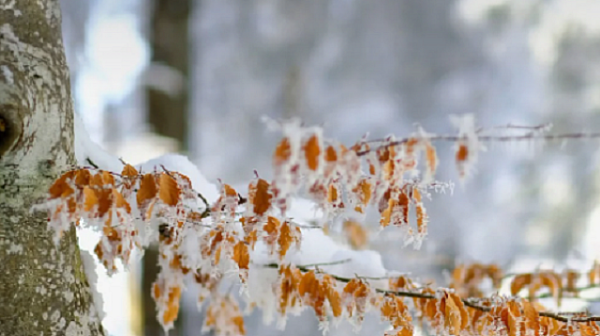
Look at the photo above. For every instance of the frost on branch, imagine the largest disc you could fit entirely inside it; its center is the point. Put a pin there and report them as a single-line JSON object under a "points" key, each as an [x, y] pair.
{"points": [[284, 264]]}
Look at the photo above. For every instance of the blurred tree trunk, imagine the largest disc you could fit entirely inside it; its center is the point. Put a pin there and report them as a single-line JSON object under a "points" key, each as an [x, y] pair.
{"points": [[43, 286], [168, 95], [168, 92], [150, 325]]}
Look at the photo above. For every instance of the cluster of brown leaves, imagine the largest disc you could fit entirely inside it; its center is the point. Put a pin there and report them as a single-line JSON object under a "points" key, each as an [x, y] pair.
{"points": [[95, 196], [258, 222], [167, 299], [334, 178], [330, 297], [467, 279], [447, 314], [443, 311], [394, 310], [123, 206], [535, 281], [559, 285], [115, 202], [224, 317], [309, 289]]}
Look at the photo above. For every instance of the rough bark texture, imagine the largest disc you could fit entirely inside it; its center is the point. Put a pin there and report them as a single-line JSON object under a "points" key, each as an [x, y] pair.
{"points": [[43, 287]]}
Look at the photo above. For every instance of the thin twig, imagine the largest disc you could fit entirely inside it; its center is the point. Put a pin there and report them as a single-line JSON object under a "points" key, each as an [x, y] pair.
{"points": [[91, 163], [489, 138], [343, 261], [525, 127], [305, 226], [387, 277], [206, 211]]}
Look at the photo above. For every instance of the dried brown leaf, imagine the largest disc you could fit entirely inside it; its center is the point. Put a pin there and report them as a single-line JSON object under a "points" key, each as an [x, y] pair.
{"points": [[312, 151], [129, 171], [283, 151], [147, 189], [169, 191]]}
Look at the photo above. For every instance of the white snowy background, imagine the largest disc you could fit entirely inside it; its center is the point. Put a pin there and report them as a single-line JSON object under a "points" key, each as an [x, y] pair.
{"points": [[368, 66]]}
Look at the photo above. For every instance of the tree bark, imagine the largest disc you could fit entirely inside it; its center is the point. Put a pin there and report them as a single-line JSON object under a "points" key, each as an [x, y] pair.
{"points": [[43, 287]]}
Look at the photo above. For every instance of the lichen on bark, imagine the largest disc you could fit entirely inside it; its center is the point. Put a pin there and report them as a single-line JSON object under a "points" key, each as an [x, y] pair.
{"points": [[43, 288]]}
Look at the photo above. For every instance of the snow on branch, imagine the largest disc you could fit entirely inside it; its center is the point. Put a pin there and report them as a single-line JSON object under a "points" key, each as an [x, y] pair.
{"points": [[264, 237]]}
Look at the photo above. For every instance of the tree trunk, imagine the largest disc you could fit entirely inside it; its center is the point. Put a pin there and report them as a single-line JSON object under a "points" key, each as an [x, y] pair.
{"points": [[43, 287], [169, 41], [168, 115]]}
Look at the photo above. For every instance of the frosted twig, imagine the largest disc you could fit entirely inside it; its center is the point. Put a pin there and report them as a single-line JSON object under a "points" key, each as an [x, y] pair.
{"points": [[490, 138]]}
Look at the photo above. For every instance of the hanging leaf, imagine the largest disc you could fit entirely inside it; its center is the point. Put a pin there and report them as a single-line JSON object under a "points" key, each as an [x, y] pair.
{"points": [[169, 191], [403, 204], [170, 314], [363, 192], [60, 187], [120, 201], [147, 189], [312, 152], [90, 199], [356, 235], [283, 152], [82, 178], [386, 215], [262, 198], [105, 201], [129, 171], [285, 239], [97, 180], [420, 213], [330, 154], [108, 178], [241, 255], [430, 159], [332, 193], [462, 155], [410, 145], [519, 282], [333, 296], [229, 191], [308, 285], [452, 316]]}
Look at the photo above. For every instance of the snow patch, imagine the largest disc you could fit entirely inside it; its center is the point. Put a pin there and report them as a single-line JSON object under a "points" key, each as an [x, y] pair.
{"points": [[181, 164], [87, 152], [89, 266]]}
